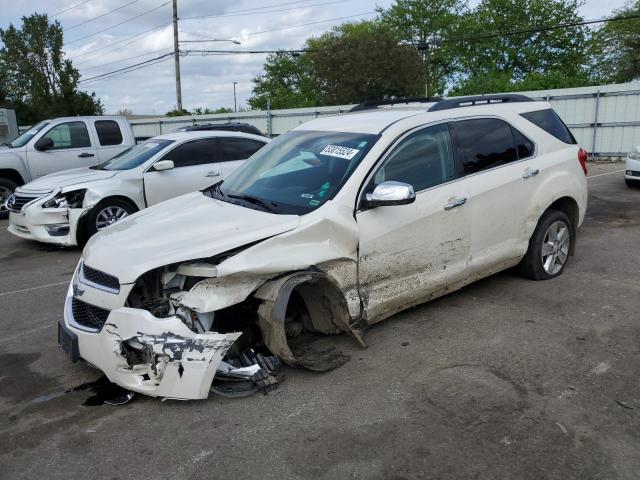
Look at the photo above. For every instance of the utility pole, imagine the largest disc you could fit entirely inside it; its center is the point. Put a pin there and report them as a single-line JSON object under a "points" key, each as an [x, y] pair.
{"points": [[235, 106], [176, 56]]}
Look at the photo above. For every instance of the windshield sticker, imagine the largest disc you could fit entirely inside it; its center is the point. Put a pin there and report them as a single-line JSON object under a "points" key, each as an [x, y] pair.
{"points": [[325, 187], [306, 195], [314, 203], [340, 152], [151, 145]]}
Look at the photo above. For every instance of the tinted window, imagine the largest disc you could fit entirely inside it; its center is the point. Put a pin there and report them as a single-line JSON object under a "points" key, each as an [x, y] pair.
{"points": [[69, 135], [196, 152], [484, 143], [550, 122], [108, 132], [523, 144], [423, 159], [237, 148], [135, 156]]}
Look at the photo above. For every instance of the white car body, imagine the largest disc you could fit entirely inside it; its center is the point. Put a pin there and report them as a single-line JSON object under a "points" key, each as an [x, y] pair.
{"points": [[142, 186], [351, 265], [632, 167]]}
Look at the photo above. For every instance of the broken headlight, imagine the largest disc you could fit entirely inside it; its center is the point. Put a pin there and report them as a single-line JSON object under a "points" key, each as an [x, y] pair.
{"points": [[72, 199]]}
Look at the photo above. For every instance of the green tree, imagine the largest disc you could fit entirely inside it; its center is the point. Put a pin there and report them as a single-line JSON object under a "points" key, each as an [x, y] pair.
{"points": [[618, 44], [36, 79], [287, 82], [429, 24], [357, 62], [177, 113], [495, 58]]}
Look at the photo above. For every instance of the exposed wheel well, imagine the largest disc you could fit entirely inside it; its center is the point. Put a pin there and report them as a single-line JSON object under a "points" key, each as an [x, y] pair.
{"points": [[570, 208], [121, 198], [12, 175]]}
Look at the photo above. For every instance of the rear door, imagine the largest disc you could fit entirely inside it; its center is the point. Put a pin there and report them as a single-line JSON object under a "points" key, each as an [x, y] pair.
{"points": [[408, 253], [233, 151], [498, 165], [195, 168], [111, 140], [72, 148]]}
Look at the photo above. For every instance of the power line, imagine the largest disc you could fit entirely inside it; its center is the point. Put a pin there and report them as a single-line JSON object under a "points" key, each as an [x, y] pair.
{"points": [[128, 68], [286, 27], [117, 24], [69, 8], [123, 59], [263, 11], [100, 16]]}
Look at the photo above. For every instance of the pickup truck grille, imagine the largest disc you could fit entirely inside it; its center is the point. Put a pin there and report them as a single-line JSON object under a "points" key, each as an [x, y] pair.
{"points": [[100, 278], [19, 200], [88, 315]]}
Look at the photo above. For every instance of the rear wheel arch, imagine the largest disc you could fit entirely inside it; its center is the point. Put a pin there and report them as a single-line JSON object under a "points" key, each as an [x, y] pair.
{"points": [[570, 208]]}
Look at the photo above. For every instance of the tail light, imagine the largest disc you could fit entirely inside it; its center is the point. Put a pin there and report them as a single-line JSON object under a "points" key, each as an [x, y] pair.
{"points": [[582, 158]]}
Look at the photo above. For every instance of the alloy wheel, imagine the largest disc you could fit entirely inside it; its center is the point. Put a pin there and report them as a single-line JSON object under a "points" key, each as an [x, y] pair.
{"points": [[109, 215], [555, 247]]}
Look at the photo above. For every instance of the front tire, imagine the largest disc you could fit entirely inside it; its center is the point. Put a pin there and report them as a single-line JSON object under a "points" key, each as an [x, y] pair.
{"points": [[7, 187], [106, 213], [549, 247]]}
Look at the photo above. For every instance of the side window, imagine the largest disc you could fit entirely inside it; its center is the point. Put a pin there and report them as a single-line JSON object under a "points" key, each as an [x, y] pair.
{"points": [[423, 159], [195, 152], [108, 132], [523, 144], [69, 135], [484, 143], [550, 122], [235, 148]]}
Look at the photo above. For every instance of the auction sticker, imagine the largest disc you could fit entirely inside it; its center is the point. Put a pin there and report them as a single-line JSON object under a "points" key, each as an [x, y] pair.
{"points": [[340, 152]]}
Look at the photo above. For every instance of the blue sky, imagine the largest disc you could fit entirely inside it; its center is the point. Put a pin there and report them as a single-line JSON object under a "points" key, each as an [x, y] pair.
{"points": [[206, 80]]}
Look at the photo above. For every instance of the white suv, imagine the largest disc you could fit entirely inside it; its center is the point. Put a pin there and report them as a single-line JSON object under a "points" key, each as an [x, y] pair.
{"points": [[334, 226]]}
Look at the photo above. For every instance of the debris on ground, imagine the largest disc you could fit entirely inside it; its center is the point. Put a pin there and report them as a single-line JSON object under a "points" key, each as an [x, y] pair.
{"points": [[624, 404], [245, 374]]}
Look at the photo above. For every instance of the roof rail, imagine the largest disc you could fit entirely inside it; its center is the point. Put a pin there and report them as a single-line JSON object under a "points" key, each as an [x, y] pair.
{"points": [[478, 100], [370, 105]]}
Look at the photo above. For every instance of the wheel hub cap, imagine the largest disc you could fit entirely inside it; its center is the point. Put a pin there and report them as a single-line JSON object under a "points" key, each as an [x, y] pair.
{"points": [[555, 247], [110, 215]]}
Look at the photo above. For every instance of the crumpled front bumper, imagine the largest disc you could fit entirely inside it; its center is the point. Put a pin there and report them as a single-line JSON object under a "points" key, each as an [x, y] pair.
{"points": [[32, 223], [174, 362]]}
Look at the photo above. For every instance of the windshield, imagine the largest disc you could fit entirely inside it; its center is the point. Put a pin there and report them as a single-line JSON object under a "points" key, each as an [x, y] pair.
{"points": [[135, 156], [23, 139], [297, 172]]}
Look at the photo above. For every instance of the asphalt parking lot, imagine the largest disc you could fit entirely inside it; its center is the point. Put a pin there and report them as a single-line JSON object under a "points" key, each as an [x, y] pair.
{"points": [[506, 378]]}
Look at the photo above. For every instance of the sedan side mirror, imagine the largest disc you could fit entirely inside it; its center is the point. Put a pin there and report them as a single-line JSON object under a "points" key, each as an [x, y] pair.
{"points": [[44, 144], [390, 193], [163, 165]]}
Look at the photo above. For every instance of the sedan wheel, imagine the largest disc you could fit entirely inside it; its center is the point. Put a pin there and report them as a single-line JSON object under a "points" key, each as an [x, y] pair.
{"points": [[555, 247], [109, 215], [5, 193]]}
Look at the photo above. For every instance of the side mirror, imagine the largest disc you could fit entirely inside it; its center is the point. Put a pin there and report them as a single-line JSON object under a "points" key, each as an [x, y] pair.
{"points": [[390, 193], [163, 165], [44, 144]]}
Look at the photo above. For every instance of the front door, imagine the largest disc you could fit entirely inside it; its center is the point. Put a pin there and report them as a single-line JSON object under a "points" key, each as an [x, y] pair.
{"points": [[72, 148], [411, 253], [195, 168]]}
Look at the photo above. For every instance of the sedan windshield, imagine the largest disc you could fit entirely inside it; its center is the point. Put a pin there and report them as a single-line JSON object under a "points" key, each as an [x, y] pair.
{"points": [[23, 139], [135, 156], [297, 172]]}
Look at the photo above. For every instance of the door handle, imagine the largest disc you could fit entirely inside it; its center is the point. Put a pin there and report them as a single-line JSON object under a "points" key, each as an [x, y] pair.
{"points": [[86, 155], [456, 202], [530, 172], [212, 174]]}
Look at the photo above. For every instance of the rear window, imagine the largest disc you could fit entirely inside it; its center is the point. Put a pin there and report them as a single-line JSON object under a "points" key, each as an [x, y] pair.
{"points": [[550, 122], [108, 132]]}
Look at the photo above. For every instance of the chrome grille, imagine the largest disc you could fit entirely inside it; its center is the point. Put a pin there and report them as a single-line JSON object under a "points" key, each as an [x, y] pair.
{"points": [[88, 315], [19, 200], [100, 278]]}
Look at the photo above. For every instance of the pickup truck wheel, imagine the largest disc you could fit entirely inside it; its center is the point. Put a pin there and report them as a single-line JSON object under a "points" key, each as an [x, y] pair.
{"points": [[106, 213], [7, 187], [549, 247]]}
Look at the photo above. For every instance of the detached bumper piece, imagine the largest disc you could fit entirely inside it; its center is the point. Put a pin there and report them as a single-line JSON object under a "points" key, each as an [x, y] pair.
{"points": [[246, 374]]}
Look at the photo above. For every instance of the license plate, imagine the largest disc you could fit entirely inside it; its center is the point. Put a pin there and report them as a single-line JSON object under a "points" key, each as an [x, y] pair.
{"points": [[68, 341]]}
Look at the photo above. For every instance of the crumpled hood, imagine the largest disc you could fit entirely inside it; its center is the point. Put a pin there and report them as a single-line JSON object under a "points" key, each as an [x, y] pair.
{"points": [[67, 178], [188, 227]]}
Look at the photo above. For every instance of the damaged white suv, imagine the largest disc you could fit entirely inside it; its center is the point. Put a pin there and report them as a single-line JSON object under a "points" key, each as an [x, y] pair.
{"points": [[334, 226]]}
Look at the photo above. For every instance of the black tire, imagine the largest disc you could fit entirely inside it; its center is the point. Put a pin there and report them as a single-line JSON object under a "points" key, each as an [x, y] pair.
{"points": [[532, 265], [632, 183], [91, 227], [5, 184]]}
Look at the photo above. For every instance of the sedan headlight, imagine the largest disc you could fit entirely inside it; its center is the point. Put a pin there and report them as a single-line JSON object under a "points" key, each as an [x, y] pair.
{"points": [[634, 155], [72, 199]]}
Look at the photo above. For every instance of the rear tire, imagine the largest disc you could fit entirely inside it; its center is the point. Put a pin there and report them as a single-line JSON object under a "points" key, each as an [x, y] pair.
{"points": [[106, 213], [632, 183], [549, 247], [7, 187]]}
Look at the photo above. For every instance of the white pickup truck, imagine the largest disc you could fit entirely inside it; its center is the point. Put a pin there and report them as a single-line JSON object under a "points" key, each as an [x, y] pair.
{"points": [[60, 144]]}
